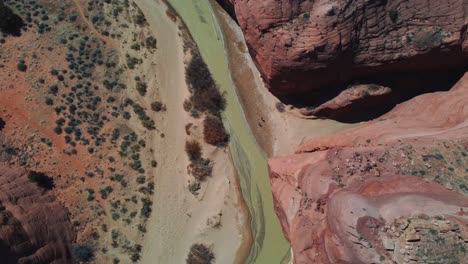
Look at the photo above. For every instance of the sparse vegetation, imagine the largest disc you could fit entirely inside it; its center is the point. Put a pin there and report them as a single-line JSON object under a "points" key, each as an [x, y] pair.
{"points": [[200, 254], [193, 150], [158, 106], [22, 66], [280, 107], [82, 252]]}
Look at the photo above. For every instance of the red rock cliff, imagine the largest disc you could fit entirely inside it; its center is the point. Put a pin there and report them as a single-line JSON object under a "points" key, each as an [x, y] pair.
{"points": [[393, 189], [301, 46], [34, 227]]}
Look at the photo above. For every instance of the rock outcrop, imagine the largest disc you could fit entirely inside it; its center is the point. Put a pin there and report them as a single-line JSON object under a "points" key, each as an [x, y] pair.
{"points": [[34, 227], [354, 103], [393, 189], [302, 46]]}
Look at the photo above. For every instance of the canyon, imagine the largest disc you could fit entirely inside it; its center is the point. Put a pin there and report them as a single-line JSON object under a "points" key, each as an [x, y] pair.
{"points": [[383, 191], [308, 47], [233, 131]]}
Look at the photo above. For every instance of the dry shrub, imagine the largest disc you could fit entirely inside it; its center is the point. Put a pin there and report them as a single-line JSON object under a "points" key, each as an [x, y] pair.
{"points": [[200, 254], [193, 150], [214, 132], [201, 169], [158, 106], [205, 93]]}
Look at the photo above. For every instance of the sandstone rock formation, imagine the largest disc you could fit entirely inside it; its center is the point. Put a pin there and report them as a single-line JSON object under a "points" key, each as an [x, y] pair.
{"points": [[354, 103], [393, 189], [302, 46], [34, 227]]}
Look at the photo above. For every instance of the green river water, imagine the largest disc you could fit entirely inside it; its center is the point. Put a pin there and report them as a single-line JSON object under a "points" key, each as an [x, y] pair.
{"points": [[269, 245]]}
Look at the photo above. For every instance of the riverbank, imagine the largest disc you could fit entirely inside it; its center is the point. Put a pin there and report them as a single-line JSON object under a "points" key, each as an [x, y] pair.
{"points": [[269, 244], [216, 216], [277, 131]]}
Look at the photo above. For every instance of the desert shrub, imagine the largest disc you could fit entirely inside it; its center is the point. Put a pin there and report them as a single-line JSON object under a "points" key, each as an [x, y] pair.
{"points": [[194, 187], [148, 124], [140, 19], [141, 87], [146, 209], [151, 42], [280, 107], [193, 150], [82, 252], [206, 96], [49, 101], [22, 66], [53, 89], [141, 180], [187, 105], [41, 179], [201, 169], [200, 254], [158, 106], [135, 46], [214, 132], [106, 191], [132, 62]]}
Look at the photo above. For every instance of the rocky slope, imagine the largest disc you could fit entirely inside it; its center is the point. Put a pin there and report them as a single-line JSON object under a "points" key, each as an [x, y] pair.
{"points": [[303, 46], [394, 189], [34, 227]]}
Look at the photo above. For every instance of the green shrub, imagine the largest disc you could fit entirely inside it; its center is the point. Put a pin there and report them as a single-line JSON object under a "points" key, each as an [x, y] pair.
{"points": [[82, 252], [22, 66], [141, 87], [151, 42]]}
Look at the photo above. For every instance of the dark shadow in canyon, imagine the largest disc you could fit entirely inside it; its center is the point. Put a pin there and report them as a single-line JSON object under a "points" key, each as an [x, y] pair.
{"points": [[10, 23], [229, 8], [405, 86]]}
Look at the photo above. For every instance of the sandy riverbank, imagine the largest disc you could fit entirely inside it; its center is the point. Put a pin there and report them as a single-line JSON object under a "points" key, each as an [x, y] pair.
{"points": [[278, 133], [179, 218]]}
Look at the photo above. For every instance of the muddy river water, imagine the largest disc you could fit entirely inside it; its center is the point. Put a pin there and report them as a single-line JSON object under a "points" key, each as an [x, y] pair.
{"points": [[269, 245]]}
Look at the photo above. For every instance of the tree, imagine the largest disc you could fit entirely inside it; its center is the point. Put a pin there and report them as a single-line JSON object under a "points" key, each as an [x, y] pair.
{"points": [[82, 252], [193, 150], [214, 132]]}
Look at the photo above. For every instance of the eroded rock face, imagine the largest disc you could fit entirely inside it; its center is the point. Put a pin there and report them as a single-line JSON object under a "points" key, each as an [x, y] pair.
{"points": [[302, 46], [34, 227], [353, 103], [384, 191]]}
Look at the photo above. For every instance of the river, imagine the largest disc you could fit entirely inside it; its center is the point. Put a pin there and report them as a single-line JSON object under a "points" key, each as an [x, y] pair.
{"points": [[269, 245]]}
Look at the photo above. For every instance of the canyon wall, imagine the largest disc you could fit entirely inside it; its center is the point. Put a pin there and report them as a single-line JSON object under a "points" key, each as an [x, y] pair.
{"points": [[393, 190], [34, 227], [303, 46]]}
